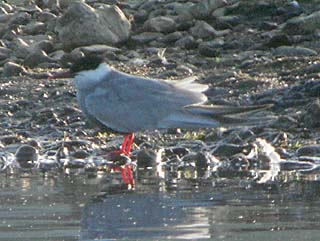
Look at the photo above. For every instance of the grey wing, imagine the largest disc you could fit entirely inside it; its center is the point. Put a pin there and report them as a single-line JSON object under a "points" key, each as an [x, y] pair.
{"points": [[128, 104]]}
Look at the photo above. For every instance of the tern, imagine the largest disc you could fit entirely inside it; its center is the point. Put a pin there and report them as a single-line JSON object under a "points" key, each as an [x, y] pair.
{"points": [[127, 104]]}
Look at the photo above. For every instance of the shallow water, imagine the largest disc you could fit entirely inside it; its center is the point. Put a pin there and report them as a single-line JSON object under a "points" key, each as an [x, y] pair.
{"points": [[78, 207]]}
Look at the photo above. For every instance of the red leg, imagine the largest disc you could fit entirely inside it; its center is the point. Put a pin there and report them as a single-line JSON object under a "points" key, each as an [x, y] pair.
{"points": [[127, 169], [127, 144]]}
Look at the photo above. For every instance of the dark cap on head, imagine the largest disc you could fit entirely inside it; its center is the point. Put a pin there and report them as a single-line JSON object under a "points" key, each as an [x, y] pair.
{"points": [[86, 63]]}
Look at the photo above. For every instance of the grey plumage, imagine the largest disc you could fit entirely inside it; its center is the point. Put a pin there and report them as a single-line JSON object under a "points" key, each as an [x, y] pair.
{"points": [[127, 103]]}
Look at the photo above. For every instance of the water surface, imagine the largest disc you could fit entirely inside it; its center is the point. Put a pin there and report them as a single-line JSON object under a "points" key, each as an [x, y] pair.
{"points": [[78, 207]]}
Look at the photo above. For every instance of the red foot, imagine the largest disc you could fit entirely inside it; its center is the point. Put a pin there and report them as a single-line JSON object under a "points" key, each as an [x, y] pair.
{"points": [[127, 169]]}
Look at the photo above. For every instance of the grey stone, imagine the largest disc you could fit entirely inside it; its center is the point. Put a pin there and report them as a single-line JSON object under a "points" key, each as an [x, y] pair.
{"points": [[57, 55], [226, 149], [311, 150], [141, 16], [311, 117], [303, 24], [203, 30], [160, 24], [45, 45], [204, 8], [278, 40], [4, 53], [82, 25], [5, 17], [187, 42], [229, 21], [219, 12], [294, 51], [37, 57], [7, 7], [146, 37], [13, 69], [20, 18], [20, 48], [35, 28], [181, 9], [26, 155], [97, 49], [172, 37], [210, 48], [45, 16], [146, 158]]}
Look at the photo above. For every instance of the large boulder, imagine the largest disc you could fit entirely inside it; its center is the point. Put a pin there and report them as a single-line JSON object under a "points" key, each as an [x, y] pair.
{"points": [[83, 25], [302, 24]]}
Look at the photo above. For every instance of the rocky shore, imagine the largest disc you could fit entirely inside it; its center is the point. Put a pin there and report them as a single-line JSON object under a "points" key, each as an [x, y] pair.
{"points": [[249, 52]]}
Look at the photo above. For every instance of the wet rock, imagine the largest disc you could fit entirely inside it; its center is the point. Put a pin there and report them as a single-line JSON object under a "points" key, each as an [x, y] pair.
{"points": [[82, 25], [200, 160], [228, 150], [311, 117], [80, 154], [146, 158], [294, 51], [302, 25], [160, 24], [176, 151], [312, 150], [13, 69], [239, 162], [26, 155], [74, 163], [9, 139]]}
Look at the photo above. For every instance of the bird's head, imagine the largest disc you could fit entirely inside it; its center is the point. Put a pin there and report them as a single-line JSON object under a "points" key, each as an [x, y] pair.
{"points": [[86, 63]]}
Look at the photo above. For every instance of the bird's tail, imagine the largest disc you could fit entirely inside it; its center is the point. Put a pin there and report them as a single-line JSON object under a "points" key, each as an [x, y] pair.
{"points": [[232, 115]]}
